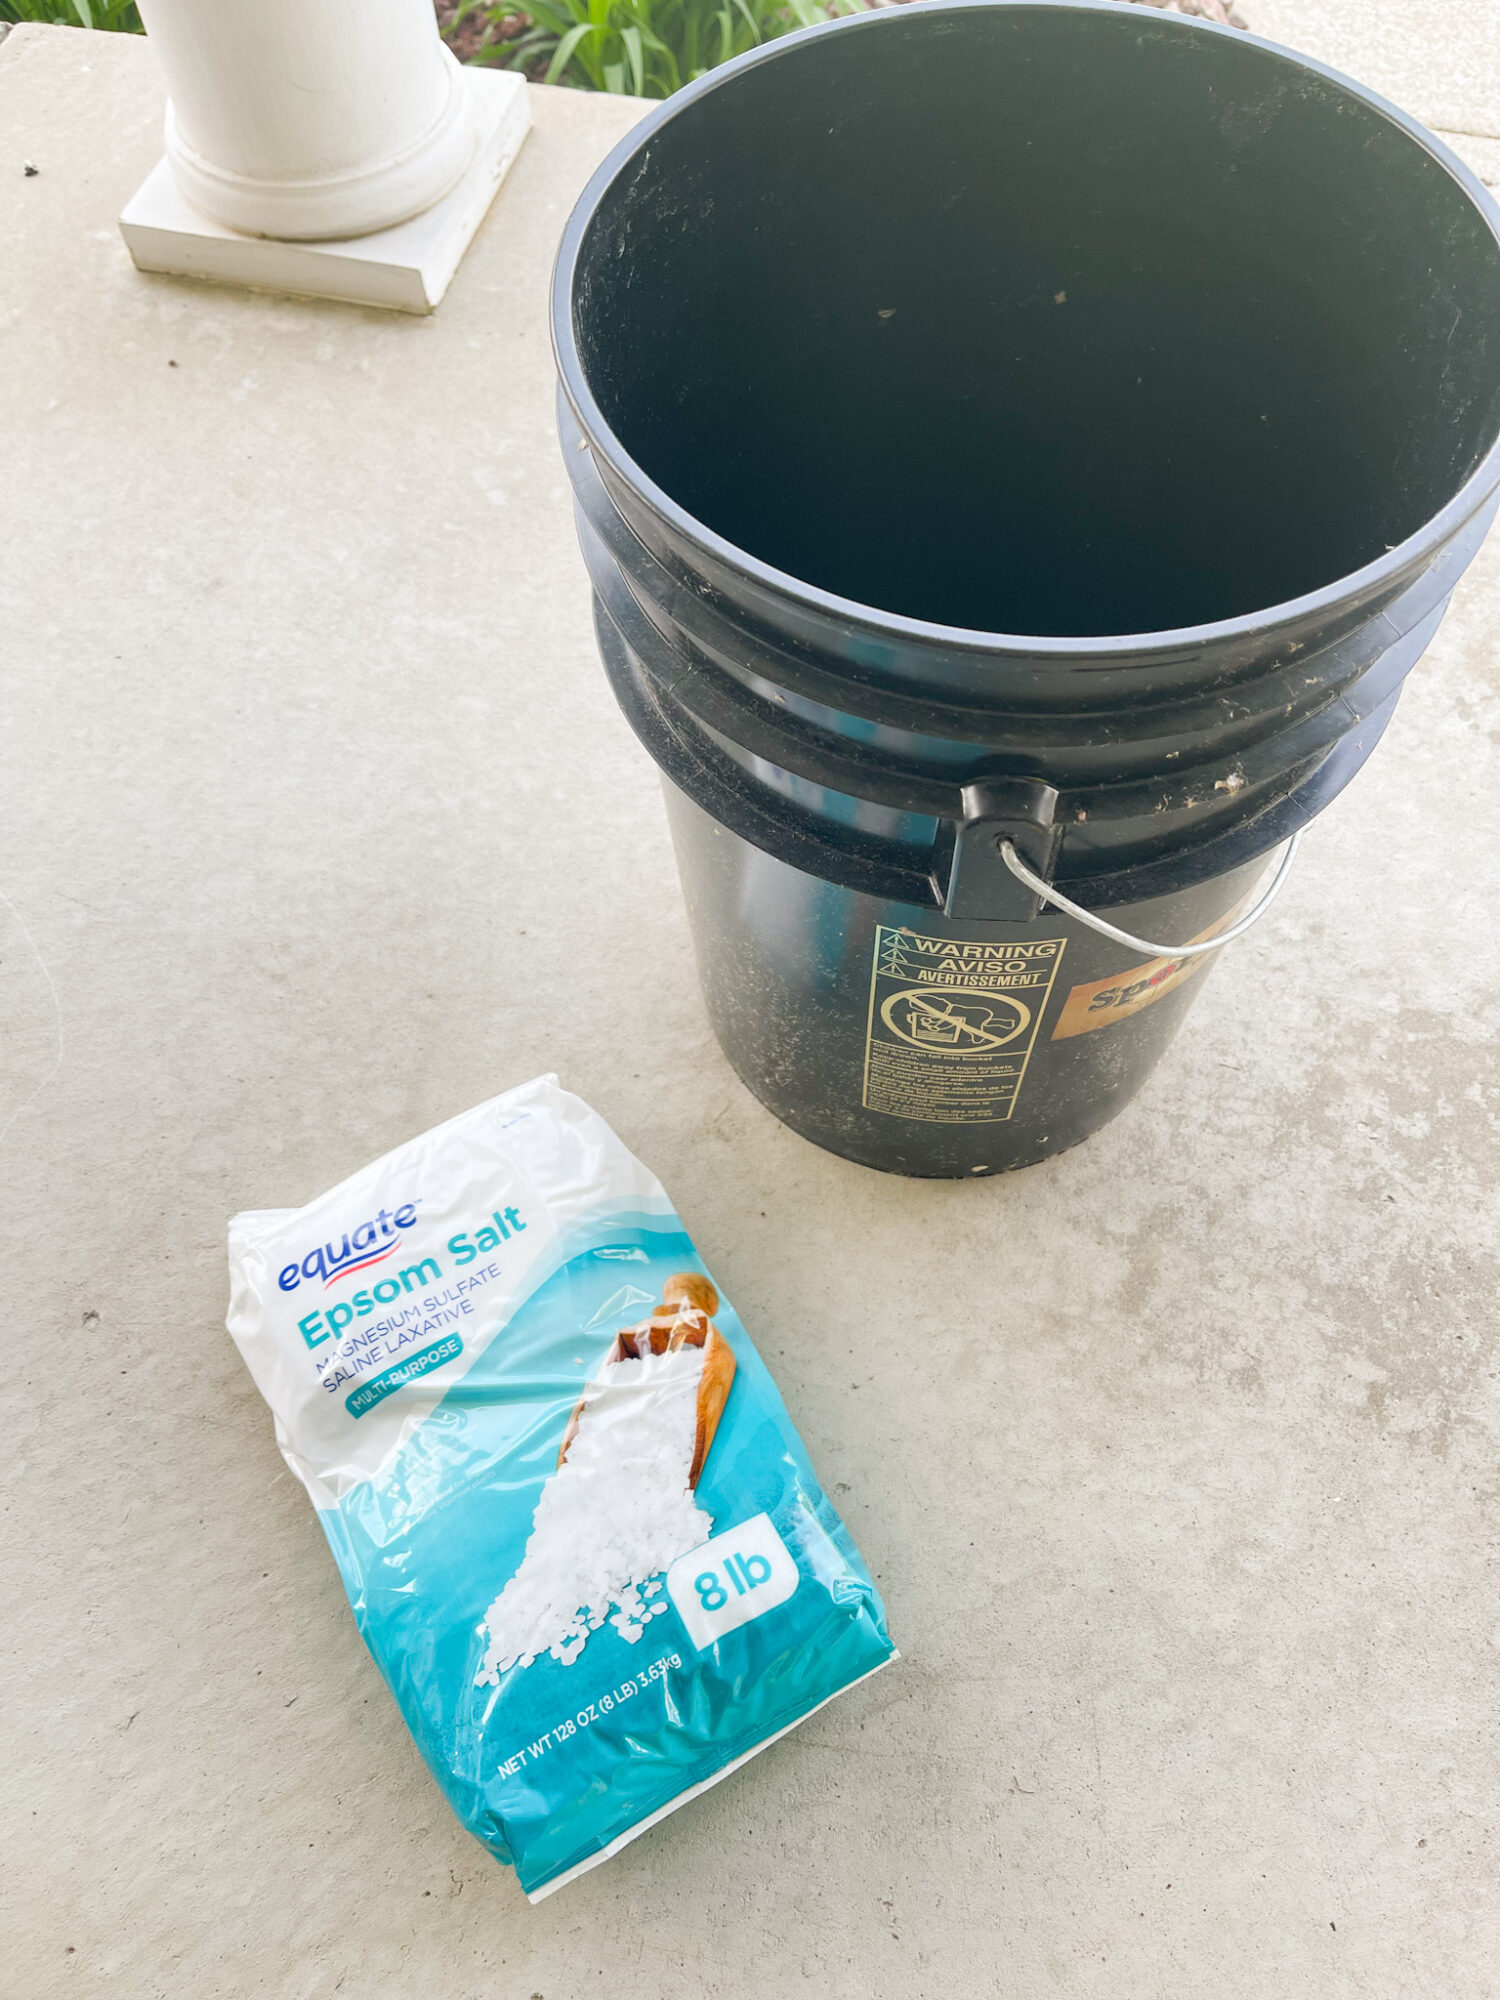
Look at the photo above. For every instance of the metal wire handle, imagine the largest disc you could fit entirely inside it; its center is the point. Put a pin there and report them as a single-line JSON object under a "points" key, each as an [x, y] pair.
{"points": [[1048, 894]]}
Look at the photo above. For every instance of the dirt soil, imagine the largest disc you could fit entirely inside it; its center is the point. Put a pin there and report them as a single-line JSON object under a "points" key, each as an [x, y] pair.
{"points": [[477, 30], [467, 33]]}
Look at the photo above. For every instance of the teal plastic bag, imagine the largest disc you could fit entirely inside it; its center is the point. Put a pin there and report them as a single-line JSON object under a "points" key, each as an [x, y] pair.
{"points": [[577, 1530]]}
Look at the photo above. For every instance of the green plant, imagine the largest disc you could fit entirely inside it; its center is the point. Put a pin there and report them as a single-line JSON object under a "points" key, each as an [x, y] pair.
{"points": [[642, 48], [118, 14]]}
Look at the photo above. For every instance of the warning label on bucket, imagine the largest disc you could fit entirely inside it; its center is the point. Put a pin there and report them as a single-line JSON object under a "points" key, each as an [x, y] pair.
{"points": [[951, 1025]]}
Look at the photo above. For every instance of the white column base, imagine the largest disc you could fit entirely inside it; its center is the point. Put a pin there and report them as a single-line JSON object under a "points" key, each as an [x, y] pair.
{"points": [[407, 268]]}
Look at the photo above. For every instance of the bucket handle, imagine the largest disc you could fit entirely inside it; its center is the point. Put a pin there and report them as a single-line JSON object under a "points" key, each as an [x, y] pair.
{"points": [[1048, 894]]}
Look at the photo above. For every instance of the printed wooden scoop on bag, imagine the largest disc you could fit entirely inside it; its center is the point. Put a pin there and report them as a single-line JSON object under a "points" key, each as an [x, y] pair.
{"points": [[683, 1319]]}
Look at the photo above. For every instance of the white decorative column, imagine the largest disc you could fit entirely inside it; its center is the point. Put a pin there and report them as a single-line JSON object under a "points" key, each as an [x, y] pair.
{"points": [[328, 147]]}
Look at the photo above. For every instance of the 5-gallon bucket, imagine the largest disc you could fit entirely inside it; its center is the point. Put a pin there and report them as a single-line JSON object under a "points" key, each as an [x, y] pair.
{"points": [[1020, 450]]}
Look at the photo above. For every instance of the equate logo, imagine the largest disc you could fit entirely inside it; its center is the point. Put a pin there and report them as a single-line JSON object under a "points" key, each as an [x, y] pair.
{"points": [[371, 1243]]}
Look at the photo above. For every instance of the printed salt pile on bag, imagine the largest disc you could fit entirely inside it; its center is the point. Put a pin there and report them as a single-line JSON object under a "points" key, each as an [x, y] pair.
{"points": [[619, 1507], [578, 1532]]}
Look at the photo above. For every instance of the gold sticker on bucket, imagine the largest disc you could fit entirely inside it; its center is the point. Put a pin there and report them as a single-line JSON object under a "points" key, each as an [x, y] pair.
{"points": [[952, 1023], [1102, 1002]]}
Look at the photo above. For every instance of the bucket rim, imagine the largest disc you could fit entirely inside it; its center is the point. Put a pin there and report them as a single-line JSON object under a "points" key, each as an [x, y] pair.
{"points": [[1403, 560]]}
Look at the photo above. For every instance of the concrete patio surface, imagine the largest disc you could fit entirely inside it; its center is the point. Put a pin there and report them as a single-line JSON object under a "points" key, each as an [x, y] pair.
{"points": [[1437, 59], [1175, 1458]]}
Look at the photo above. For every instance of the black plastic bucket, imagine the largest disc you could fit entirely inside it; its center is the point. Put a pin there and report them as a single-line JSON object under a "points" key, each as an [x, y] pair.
{"points": [[1047, 422]]}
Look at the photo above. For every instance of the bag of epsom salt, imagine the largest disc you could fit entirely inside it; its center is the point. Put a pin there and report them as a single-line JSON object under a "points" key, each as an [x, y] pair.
{"points": [[577, 1529]]}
